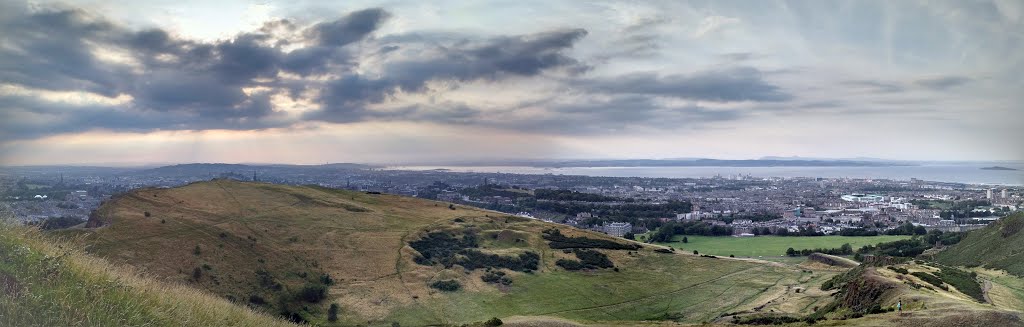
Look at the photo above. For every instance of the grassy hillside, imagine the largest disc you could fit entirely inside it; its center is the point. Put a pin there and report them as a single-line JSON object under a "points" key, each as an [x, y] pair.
{"points": [[297, 250], [43, 283], [997, 246]]}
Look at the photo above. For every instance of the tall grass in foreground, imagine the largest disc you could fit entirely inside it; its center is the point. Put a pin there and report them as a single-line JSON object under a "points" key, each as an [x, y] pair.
{"points": [[47, 283]]}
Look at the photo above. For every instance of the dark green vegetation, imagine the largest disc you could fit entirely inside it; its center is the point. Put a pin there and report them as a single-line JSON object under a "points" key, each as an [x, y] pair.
{"points": [[558, 241], [496, 277], [997, 246], [670, 229], [446, 285], [845, 249], [588, 259], [965, 282], [59, 222], [444, 249], [912, 247]]}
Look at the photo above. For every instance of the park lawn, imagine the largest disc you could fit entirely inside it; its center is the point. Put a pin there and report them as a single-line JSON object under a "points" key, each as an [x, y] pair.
{"points": [[771, 246]]}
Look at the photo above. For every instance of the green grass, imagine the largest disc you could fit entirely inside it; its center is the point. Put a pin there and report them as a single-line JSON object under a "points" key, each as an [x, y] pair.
{"points": [[652, 286], [996, 246], [770, 246]]}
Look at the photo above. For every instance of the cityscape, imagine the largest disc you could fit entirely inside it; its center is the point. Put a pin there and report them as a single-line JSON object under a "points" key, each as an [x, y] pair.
{"points": [[748, 205]]}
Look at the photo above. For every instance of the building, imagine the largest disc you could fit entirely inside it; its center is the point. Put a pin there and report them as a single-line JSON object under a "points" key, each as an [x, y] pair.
{"points": [[857, 197], [1004, 194], [618, 229], [988, 194]]}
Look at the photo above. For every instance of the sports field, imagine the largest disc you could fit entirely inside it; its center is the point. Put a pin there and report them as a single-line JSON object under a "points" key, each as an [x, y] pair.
{"points": [[769, 246]]}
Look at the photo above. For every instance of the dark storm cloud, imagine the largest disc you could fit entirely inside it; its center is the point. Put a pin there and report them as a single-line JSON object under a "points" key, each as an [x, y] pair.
{"points": [[177, 83], [726, 85], [351, 28], [942, 83], [345, 98]]}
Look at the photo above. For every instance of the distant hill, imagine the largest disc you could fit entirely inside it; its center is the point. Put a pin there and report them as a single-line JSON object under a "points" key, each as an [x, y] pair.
{"points": [[295, 250], [221, 169], [997, 168], [999, 245], [721, 163]]}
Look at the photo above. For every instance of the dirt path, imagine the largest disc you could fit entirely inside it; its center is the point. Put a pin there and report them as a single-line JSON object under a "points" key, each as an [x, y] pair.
{"points": [[984, 290]]}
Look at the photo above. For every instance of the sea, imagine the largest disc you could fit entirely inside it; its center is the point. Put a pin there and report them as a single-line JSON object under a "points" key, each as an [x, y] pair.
{"points": [[950, 173]]}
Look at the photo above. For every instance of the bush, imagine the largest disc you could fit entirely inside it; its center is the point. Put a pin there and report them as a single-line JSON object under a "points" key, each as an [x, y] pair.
{"points": [[312, 293], [496, 277], [559, 241], [569, 264], [197, 273], [965, 282], [493, 322], [899, 270], [446, 285], [197, 250], [332, 312], [930, 279]]}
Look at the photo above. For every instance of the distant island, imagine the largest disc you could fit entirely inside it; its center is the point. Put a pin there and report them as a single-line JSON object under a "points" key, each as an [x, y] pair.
{"points": [[997, 168]]}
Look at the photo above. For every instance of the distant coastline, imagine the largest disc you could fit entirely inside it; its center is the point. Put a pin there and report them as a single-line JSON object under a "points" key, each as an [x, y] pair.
{"points": [[997, 168]]}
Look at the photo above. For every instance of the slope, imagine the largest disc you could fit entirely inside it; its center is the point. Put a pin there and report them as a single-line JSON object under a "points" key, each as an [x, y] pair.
{"points": [[997, 246], [47, 283], [295, 250]]}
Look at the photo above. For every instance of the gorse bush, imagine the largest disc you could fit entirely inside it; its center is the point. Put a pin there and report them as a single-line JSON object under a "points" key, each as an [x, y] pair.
{"points": [[559, 241], [446, 285], [444, 249]]}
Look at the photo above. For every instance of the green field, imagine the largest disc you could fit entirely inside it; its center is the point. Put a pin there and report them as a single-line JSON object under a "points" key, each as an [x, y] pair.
{"points": [[771, 246]]}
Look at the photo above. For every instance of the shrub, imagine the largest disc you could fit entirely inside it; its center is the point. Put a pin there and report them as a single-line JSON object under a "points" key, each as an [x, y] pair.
{"points": [[312, 293], [558, 241], [930, 279], [899, 270], [695, 252], [493, 322], [197, 273], [257, 300], [197, 250], [963, 281], [569, 264], [446, 285], [496, 277], [332, 312]]}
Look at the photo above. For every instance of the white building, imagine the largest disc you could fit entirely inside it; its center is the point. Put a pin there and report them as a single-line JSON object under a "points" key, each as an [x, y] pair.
{"points": [[988, 194], [618, 229], [1004, 194], [857, 197]]}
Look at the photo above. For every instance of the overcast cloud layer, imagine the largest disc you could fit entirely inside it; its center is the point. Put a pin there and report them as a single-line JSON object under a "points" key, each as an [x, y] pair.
{"points": [[406, 81]]}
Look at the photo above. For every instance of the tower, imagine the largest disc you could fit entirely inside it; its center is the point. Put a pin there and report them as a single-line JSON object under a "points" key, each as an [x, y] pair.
{"points": [[1004, 194], [988, 194]]}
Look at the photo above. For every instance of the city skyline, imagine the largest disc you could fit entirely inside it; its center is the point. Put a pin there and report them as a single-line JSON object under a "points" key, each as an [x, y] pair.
{"points": [[110, 82]]}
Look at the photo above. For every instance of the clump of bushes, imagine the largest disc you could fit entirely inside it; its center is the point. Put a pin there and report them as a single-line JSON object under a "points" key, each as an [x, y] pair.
{"points": [[930, 279], [963, 281], [899, 270], [493, 322], [496, 277], [588, 259], [558, 241], [447, 250], [766, 320], [312, 293], [446, 285]]}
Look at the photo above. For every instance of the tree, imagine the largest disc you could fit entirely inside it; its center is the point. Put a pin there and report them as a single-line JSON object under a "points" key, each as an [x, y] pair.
{"points": [[695, 252], [791, 252], [197, 250], [197, 273], [686, 240], [332, 312]]}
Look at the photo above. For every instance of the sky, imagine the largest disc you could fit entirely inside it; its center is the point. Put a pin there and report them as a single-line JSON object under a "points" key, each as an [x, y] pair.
{"points": [[399, 82]]}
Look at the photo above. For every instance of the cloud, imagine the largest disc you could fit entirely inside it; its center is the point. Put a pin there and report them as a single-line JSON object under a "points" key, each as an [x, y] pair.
{"points": [[722, 85], [177, 83], [942, 83]]}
